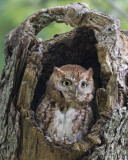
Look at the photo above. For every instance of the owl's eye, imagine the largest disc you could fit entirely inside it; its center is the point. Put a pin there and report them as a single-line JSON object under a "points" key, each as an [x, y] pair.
{"points": [[66, 83], [83, 84]]}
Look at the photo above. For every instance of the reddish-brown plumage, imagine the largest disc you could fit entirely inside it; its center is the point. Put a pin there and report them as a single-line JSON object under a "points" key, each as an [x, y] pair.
{"points": [[64, 110]]}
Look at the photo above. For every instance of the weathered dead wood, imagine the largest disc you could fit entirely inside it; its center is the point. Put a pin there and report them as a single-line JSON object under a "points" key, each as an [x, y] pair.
{"points": [[96, 41]]}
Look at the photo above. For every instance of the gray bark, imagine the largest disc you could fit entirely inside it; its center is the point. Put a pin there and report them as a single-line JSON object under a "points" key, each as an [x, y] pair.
{"points": [[95, 42]]}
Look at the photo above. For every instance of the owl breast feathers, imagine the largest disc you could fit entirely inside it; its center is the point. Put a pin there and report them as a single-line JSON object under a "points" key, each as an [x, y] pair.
{"points": [[64, 114]]}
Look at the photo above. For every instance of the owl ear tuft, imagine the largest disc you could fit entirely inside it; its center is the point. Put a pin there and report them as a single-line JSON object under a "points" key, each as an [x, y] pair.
{"points": [[90, 72], [58, 70]]}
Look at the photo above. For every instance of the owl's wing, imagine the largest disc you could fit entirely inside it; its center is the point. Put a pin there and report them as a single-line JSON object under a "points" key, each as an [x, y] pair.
{"points": [[88, 121], [44, 114]]}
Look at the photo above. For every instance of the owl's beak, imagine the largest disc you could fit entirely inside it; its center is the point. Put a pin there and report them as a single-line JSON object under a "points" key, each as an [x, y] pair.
{"points": [[76, 92]]}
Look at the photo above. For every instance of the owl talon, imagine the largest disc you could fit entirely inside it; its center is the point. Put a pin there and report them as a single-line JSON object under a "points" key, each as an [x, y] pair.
{"points": [[54, 138], [65, 140], [48, 138]]}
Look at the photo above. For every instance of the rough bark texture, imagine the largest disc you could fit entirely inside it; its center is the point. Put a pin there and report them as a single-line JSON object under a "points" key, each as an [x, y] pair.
{"points": [[95, 42]]}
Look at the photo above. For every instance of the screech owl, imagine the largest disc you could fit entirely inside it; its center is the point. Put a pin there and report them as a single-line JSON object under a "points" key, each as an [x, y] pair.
{"points": [[64, 114]]}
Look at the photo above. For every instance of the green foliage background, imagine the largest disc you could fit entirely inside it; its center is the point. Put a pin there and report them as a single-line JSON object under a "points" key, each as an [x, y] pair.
{"points": [[13, 12]]}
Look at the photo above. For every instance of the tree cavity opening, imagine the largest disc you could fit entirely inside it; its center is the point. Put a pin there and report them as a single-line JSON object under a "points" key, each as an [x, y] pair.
{"points": [[74, 47]]}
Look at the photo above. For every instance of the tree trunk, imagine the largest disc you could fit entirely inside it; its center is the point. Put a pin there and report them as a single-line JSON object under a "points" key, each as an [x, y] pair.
{"points": [[96, 42]]}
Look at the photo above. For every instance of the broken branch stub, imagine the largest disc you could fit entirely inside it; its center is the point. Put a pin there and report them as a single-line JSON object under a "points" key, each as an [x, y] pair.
{"points": [[95, 42]]}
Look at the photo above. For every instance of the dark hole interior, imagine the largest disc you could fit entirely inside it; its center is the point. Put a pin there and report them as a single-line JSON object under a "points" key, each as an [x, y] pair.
{"points": [[74, 47], [126, 79], [126, 95]]}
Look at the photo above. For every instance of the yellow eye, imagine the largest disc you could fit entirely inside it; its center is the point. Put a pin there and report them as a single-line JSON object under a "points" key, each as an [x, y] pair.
{"points": [[66, 83], [84, 84]]}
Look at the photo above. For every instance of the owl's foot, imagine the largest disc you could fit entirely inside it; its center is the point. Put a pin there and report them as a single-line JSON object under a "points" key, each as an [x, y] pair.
{"points": [[62, 141], [48, 138], [55, 139]]}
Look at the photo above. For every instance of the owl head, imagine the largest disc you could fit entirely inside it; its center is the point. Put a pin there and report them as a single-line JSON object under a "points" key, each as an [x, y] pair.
{"points": [[71, 83]]}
